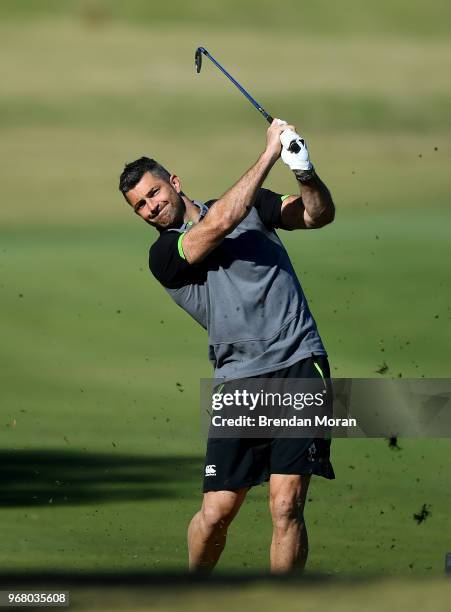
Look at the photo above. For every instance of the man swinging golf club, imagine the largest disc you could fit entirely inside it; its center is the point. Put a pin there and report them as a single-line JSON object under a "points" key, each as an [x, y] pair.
{"points": [[224, 264]]}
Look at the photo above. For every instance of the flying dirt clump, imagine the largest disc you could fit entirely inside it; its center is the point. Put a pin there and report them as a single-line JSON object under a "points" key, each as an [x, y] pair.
{"points": [[382, 369], [423, 514], [393, 443]]}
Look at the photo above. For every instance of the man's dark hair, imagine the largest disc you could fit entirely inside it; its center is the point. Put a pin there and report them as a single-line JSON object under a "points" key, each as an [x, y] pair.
{"points": [[134, 171]]}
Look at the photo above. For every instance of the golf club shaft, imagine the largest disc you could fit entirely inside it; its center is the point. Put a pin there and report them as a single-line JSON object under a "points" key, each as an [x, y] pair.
{"points": [[268, 117]]}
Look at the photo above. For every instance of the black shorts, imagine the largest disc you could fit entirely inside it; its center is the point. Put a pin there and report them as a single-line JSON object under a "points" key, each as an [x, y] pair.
{"points": [[236, 463]]}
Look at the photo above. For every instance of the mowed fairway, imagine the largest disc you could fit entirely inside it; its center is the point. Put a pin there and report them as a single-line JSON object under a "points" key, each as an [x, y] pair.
{"points": [[102, 454]]}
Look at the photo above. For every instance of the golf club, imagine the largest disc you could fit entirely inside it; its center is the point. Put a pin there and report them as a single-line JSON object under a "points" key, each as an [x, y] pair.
{"points": [[294, 147]]}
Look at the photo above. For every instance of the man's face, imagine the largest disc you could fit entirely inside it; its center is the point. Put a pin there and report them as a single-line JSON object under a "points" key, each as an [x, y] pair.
{"points": [[157, 201]]}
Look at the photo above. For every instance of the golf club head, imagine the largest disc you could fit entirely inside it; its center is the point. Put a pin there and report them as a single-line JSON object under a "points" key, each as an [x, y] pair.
{"points": [[198, 58]]}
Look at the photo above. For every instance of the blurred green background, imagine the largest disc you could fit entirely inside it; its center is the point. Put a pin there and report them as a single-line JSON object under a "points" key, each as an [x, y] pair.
{"points": [[101, 458]]}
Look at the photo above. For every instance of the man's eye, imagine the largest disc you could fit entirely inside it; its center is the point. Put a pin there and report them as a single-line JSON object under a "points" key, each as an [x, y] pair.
{"points": [[138, 207]]}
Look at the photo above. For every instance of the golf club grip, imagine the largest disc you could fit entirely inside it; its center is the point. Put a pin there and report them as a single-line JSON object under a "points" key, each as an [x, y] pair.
{"points": [[269, 119]]}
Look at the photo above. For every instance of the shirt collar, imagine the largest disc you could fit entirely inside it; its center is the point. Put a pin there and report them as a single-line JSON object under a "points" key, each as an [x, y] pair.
{"points": [[203, 211]]}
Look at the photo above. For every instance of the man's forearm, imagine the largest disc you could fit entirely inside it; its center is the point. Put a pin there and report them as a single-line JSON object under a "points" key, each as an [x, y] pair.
{"points": [[228, 212], [317, 201], [236, 203]]}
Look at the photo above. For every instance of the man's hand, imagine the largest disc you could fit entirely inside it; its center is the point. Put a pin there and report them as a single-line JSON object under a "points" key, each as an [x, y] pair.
{"points": [[315, 208], [299, 160], [273, 137]]}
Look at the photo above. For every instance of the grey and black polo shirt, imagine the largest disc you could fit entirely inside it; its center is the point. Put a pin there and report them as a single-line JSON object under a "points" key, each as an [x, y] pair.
{"points": [[245, 294]]}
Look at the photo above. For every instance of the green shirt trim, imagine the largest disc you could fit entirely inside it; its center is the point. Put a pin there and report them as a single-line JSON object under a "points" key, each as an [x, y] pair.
{"points": [[179, 241], [319, 369], [180, 246]]}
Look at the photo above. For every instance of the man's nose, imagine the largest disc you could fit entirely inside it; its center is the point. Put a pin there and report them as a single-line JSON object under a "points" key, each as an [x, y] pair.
{"points": [[152, 208]]}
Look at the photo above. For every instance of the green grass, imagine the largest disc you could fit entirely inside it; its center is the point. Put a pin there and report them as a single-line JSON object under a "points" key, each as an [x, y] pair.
{"points": [[101, 451], [396, 17], [74, 510], [94, 352], [371, 596]]}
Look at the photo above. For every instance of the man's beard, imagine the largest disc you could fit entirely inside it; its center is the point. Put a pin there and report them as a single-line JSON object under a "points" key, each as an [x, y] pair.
{"points": [[180, 209]]}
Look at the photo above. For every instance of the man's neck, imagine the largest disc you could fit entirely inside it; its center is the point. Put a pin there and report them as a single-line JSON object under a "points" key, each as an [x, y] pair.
{"points": [[192, 211]]}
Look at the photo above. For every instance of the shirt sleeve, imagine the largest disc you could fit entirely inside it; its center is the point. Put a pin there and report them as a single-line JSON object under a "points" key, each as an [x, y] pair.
{"points": [[167, 264], [269, 207]]}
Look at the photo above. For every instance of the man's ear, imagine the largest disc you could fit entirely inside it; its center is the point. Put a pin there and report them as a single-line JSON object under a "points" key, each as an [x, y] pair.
{"points": [[175, 182]]}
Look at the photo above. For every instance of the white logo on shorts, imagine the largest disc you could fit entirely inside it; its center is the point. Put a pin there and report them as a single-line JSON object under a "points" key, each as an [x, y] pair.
{"points": [[311, 452], [210, 470]]}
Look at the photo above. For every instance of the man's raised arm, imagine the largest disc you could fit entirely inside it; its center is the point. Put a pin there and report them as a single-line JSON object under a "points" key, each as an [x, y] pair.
{"points": [[235, 204], [314, 208]]}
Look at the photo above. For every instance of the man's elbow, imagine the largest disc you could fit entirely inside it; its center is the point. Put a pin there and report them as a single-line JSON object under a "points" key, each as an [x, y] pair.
{"points": [[329, 215], [326, 217]]}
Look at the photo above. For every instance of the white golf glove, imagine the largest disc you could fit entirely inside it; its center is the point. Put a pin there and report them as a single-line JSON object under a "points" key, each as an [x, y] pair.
{"points": [[298, 159], [295, 161]]}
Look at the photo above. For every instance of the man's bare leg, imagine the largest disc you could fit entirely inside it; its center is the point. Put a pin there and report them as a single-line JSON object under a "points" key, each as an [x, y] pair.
{"points": [[207, 531], [289, 547]]}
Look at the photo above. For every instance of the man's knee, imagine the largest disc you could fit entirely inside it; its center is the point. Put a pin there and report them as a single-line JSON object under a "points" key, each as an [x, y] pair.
{"points": [[286, 510], [287, 499], [219, 508]]}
